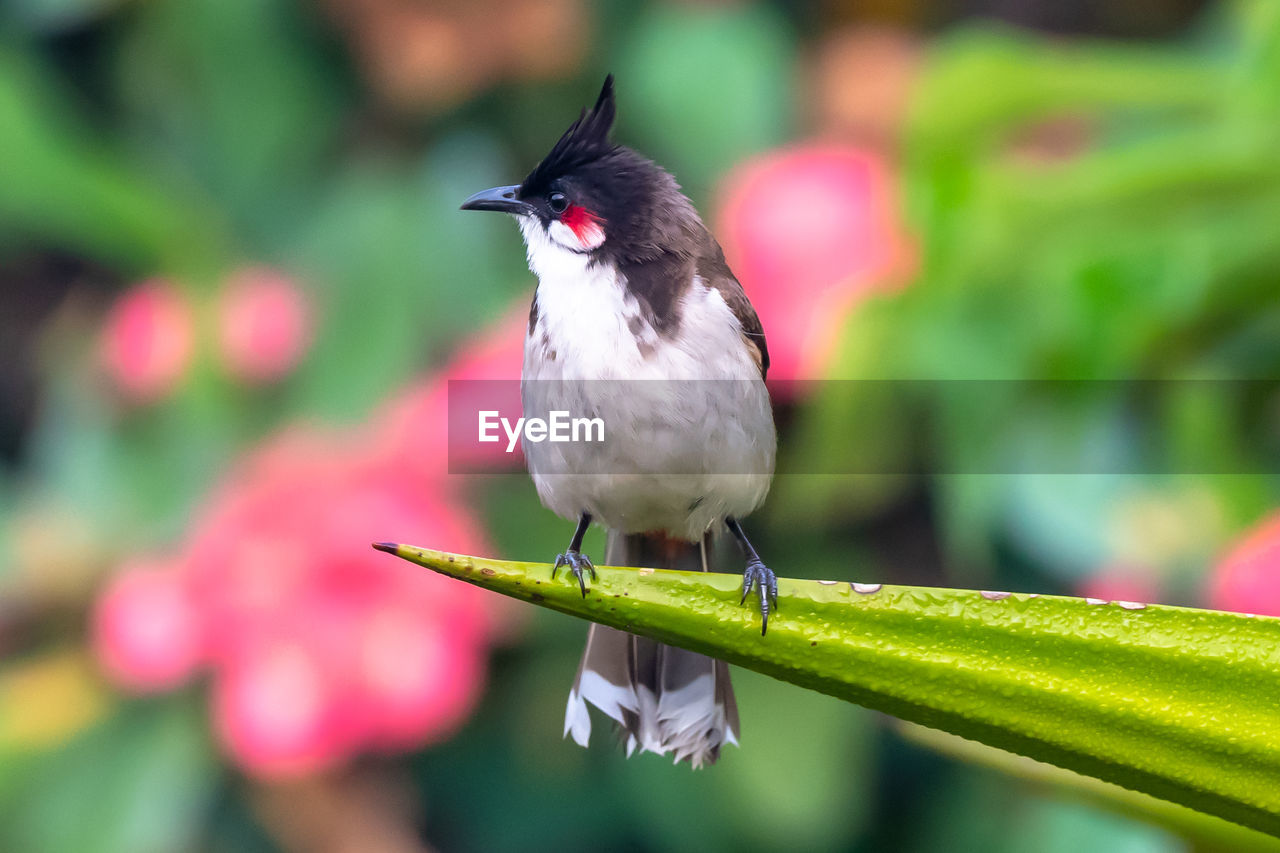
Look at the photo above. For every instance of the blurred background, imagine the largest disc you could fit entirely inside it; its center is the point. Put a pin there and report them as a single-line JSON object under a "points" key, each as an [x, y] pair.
{"points": [[235, 284]]}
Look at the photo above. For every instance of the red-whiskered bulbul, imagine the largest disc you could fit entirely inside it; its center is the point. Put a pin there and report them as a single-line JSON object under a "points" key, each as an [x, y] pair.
{"points": [[632, 286]]}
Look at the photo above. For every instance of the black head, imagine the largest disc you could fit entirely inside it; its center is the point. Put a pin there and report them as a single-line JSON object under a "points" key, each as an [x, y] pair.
{"points": [[609, 199]]}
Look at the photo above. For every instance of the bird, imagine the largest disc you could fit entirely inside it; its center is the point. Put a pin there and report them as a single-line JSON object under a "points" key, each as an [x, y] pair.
{"points": [[638, 320]]}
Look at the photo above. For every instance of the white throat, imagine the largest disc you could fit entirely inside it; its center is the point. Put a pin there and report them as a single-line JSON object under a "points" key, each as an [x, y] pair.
{"points": [[554, 251], [587, 320]]}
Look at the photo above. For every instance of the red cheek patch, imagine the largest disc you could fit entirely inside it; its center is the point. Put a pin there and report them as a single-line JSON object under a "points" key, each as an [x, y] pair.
{"points": [[585, 225]]}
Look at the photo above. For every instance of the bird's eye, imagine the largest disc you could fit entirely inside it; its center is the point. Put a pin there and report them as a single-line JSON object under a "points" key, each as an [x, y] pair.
{"points": [[559, 202]]}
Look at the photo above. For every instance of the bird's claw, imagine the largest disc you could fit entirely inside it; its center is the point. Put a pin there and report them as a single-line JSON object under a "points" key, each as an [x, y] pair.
{"points": [[765, 582], [578, 563]]}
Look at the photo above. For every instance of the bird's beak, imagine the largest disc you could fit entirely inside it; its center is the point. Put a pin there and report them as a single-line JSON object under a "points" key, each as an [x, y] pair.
{"points": [[502, 199]]}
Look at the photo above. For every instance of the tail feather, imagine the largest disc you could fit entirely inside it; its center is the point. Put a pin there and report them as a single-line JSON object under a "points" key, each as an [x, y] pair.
{"points": [[663, 699]]}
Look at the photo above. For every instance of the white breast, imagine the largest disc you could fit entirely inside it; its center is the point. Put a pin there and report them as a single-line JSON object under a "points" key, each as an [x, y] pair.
{"points": [[689, 436]]}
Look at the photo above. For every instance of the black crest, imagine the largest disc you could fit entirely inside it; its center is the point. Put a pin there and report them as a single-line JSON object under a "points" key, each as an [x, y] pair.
{"points": [[586, 140]]}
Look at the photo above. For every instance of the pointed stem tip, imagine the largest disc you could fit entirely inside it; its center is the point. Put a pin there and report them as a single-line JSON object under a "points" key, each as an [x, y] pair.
{"points": [[389, 547]]}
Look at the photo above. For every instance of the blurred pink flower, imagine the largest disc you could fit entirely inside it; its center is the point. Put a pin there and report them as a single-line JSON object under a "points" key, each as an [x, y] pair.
{"points": [[280, 712], [384, 655], [147, 631], [1247, 580], [264, 324], [319, 646], [810, 231], [148, 339], [424, 676]]}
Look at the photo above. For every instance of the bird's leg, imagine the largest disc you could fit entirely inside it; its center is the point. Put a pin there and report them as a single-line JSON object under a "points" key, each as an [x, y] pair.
{"points": [[757, 575], [573, 557]]}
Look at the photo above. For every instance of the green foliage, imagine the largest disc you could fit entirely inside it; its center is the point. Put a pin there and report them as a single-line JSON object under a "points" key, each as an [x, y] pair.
{"points": [[1138, 246], [99, 793]]}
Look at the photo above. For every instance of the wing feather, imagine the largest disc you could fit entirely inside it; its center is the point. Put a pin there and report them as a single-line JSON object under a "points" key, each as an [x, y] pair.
{"points": [[714, 270]]}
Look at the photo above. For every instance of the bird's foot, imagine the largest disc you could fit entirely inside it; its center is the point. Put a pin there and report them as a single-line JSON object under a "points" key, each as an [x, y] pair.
{"points": [[578, 563], [765, 582]]}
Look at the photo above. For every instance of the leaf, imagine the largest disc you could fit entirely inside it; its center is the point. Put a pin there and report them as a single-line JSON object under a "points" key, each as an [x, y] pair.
{"points": [[1177, 703], [1023, 78]]}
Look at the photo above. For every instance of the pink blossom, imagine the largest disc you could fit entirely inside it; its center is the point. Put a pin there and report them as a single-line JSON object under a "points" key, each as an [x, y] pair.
{"points": [[810, 231], [319, 647], [1248, 578], [264, 325], [148, 339], [382, 654], [279, 711], [147, 632], [422, 676]]}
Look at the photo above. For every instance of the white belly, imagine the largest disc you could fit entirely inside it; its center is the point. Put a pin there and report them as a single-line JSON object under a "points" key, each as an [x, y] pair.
{"points": [[688, 429], [677, 456]]}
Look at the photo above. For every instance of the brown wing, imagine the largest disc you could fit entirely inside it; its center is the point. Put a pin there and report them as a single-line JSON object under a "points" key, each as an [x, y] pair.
{"points": [[716, 273]]}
